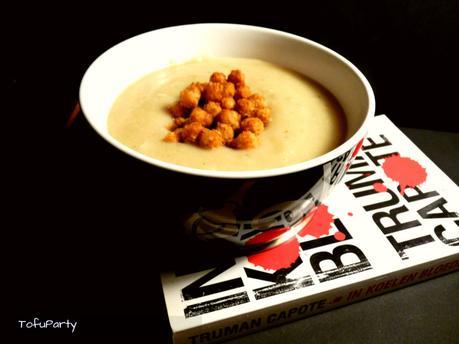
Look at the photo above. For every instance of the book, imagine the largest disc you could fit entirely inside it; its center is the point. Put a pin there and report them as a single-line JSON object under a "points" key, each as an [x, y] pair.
{"points": [[391, 222]]}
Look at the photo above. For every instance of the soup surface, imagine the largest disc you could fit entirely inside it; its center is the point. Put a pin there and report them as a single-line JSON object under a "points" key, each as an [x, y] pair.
{"points": [[307, 121]]}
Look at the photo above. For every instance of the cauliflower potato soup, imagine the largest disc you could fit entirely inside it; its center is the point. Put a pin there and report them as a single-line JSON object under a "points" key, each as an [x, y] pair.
{"points": [[306, 120]]}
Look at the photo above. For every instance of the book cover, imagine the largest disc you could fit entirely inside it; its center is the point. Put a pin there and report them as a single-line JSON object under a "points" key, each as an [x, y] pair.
{"points": [[392, 221]]}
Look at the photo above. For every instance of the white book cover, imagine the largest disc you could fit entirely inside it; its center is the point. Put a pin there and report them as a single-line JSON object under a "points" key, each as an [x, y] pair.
{"points": [[392, 221]]}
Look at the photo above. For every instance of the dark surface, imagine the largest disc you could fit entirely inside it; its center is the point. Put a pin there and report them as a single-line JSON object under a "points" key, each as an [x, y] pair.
{"points": [[77, 249], [440, 147]]}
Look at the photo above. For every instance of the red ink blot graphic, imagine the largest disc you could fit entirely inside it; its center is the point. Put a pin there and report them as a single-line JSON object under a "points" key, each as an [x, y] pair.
{"points": [[357, 148], [339, 236], [285, 254], [278, 257], [266, 236], [407, 172], [320, 223], [350, 213], [379, 187]]}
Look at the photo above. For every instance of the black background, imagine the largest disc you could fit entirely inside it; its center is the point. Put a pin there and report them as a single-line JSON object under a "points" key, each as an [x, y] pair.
{"points": [[80, 250]]}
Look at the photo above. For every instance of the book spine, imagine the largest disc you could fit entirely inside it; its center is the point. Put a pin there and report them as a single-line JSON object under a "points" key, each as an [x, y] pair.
{"points": [[313, 304]]}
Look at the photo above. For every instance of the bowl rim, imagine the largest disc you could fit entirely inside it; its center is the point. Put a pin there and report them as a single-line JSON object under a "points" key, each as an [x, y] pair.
{"points": [[225, 174]]}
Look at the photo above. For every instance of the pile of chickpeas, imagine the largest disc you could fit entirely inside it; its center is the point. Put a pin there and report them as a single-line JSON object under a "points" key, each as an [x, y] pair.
{"points": [[220, 112]]}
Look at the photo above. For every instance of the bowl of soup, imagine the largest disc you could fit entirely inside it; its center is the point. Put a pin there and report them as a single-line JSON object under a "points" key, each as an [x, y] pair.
{"points": [[320, 106]]}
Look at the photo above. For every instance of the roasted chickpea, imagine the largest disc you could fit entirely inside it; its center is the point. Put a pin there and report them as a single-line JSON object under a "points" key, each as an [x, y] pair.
{"points": [[191, 132], [244, 140], [264, 114], [171, 137], [180, 122], [174, 136], [229, 90], [229, 117], [242, 91], [258, 100], [177, 110], [189, 97], [236, 77], [210, 138], [201, 116], [213, 108], [214, 91], [228, 103], [253, 124], [218, 77], [246, 107], [226, 131]]}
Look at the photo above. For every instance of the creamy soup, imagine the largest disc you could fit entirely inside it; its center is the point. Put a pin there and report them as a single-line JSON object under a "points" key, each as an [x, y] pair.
{"points": [[307, 121]]}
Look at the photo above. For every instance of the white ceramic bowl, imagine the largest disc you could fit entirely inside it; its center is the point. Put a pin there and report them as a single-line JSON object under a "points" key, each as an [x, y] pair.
{"points": [[296, 189], [126, 62]]}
